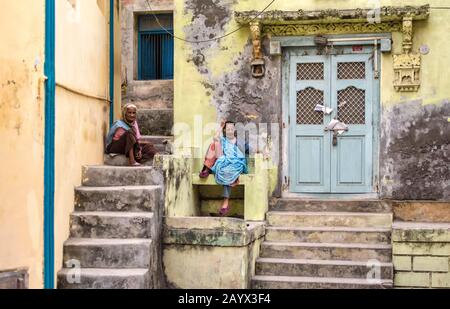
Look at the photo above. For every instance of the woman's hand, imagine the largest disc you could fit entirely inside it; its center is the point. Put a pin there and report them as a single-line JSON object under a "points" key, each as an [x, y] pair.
{"points": [[220, 130]]}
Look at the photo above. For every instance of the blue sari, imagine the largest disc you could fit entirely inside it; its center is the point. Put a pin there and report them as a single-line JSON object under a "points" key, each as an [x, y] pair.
{"points": [[230, 165]]}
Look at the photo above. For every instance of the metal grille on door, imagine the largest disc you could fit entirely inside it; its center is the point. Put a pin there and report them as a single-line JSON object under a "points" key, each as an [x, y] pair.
{"points": [[310, 71], [307, 99], [351, 70], [351, 105]]}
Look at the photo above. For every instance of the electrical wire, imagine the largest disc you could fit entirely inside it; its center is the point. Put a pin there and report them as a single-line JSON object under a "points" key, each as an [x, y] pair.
{"points": [[237, 29], [209, 40]]}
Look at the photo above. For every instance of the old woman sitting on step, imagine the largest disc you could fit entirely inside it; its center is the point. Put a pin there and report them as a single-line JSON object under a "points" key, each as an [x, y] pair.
{"points": [[124, 138]]}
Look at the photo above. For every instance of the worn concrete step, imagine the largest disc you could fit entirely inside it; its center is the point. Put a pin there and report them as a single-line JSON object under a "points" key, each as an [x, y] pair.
{"points": [[320, 219], [155, 121], [114, 159], [290, 282], [150, 94], [97, 278], [111, 224], [323, 268], [109, 176], [108, 253], [120, 198], [163, 144], [327, 251], [309, 205], [329, 234]]}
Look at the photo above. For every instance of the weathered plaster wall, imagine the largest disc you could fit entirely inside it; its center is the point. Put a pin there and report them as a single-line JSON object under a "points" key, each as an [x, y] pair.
{"points": [[21, 135], [415, 127], [82, 63], [212, 79], [181, 200], [415, 151]]}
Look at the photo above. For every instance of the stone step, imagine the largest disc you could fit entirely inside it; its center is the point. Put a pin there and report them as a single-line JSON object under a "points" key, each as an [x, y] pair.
{"points": [[108, 253], [111, 224], [320, 219], [95, 278], [328, 234], [114, 159], [150, 94], [108, 176], [327, 251], [155, 121], [322, 268], [157, 139], [163, 144], [290, 282], [296, 204], [120, 198]]}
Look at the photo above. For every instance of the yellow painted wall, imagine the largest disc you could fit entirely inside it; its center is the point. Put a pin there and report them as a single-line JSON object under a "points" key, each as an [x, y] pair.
{"points": [[21, 136], [188, 81], [82, 64]]}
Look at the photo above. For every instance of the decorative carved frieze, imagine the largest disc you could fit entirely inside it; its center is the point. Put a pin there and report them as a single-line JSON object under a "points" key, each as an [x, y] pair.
{"points": [[386, 13], [334, 28]]}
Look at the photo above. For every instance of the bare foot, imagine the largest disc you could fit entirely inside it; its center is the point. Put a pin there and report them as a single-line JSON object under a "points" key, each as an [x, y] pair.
{"points": [[135, 164]]}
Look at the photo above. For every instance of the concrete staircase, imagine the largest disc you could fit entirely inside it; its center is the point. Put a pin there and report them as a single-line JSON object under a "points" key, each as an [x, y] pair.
{"points": [[326, 244], [115, 230], [154, 100]]}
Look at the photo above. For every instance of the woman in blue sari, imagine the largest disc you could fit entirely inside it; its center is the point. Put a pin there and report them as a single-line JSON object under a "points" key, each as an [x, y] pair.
{"points": [[226, 161]]}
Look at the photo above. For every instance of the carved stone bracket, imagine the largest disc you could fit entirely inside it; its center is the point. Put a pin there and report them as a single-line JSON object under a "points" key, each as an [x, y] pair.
{"points": [[407, 64], [352, 21], [257, 64]]}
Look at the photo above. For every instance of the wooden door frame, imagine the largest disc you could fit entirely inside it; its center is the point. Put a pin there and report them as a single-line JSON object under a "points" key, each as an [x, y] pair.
{"points": [[287, 43]]}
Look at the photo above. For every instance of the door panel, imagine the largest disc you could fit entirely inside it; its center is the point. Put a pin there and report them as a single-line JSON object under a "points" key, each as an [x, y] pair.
{"points": [[343, 82], [310, 154], [310, 146], [352, 100], [350, 160]]}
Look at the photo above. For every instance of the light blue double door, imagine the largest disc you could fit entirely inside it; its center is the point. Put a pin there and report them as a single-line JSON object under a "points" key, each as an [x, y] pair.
{"points": [[324, 161]]}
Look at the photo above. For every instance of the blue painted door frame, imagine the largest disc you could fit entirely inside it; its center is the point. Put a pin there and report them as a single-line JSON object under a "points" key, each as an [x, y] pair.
{"points": [[315, 166]]}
